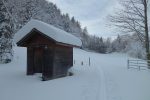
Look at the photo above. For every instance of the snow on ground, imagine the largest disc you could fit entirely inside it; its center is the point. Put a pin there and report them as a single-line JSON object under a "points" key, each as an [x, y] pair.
{"points": [[121, 83], [106, 79]]}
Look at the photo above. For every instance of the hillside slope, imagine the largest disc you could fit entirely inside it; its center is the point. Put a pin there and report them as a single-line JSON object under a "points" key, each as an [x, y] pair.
{"points": [[107, 78]]}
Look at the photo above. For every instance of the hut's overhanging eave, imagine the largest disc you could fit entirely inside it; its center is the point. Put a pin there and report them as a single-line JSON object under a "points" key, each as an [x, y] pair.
{"points": [[50, 31]]}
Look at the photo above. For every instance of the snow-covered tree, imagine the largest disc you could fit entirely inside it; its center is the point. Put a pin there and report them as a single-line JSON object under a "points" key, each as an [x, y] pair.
{"points": [[118, 45], [132, 17], [85, 38], [108, 45], [24, 10], [6, 34], [129, 44]]}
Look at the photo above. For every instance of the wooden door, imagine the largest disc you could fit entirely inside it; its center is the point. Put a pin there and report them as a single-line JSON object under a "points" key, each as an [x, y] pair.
{"points": [[38, 60]]}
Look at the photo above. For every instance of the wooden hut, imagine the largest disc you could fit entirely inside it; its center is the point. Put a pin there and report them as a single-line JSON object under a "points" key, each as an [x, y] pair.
{"points": [[49, 49]]}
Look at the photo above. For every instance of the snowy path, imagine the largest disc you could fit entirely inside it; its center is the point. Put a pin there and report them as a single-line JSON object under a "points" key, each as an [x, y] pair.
{"points": [[116, 81], [98, 75], [124, 84]]}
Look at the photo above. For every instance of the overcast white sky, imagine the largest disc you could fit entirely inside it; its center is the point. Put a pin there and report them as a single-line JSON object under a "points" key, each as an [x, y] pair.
{"points": [[91, 13]]}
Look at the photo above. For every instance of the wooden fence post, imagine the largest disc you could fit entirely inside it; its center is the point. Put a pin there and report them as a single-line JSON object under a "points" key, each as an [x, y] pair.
{"points": [[128, 64], [89, 61], [138, 65], [82, 63]]}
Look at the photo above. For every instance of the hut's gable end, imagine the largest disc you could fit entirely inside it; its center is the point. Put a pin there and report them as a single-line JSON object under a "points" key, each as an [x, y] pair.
{"points": [[35, 38], [49, 31]]}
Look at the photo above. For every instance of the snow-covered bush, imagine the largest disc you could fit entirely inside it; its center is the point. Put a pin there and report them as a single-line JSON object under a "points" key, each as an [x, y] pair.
{"points": [[129, 44], [135, 49]]}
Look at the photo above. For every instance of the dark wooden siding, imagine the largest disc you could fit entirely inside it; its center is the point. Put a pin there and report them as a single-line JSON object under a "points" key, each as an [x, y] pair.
{"points": [[63, 60], [48, 62], [30, 61], [38, 59]]}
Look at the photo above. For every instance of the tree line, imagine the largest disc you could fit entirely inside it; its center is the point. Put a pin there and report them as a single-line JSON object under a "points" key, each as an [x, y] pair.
{"points": [[131, 18], [16, 13]]}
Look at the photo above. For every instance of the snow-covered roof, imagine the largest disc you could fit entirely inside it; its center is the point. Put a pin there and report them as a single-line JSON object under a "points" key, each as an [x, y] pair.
{"points": [[49, 30]]}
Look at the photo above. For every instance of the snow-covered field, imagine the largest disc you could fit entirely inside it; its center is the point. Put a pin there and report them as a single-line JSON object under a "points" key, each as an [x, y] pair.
{"points": [[106, 79]]}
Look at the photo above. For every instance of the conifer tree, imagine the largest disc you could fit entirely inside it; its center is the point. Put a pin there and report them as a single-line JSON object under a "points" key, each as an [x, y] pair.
{"points": [[6, 35]]}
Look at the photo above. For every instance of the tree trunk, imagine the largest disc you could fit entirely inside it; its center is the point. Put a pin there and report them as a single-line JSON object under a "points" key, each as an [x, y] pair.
{"points": [[146, 33]]}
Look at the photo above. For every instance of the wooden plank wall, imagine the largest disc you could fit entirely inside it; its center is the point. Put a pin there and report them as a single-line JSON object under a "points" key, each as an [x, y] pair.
{"points": [[57, 59], [63, 60], [48, 62], [30, 61]]}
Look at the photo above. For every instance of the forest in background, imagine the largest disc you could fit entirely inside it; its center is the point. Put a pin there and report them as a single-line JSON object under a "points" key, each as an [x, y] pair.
{"points": [[16, 13]]}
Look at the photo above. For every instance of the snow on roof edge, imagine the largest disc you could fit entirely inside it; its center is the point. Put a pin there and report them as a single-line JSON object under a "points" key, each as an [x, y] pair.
{"points": [[49, 30]]}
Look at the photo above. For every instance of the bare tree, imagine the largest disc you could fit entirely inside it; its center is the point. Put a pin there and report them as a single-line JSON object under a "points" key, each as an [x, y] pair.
{"points": [[132, 17]]}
